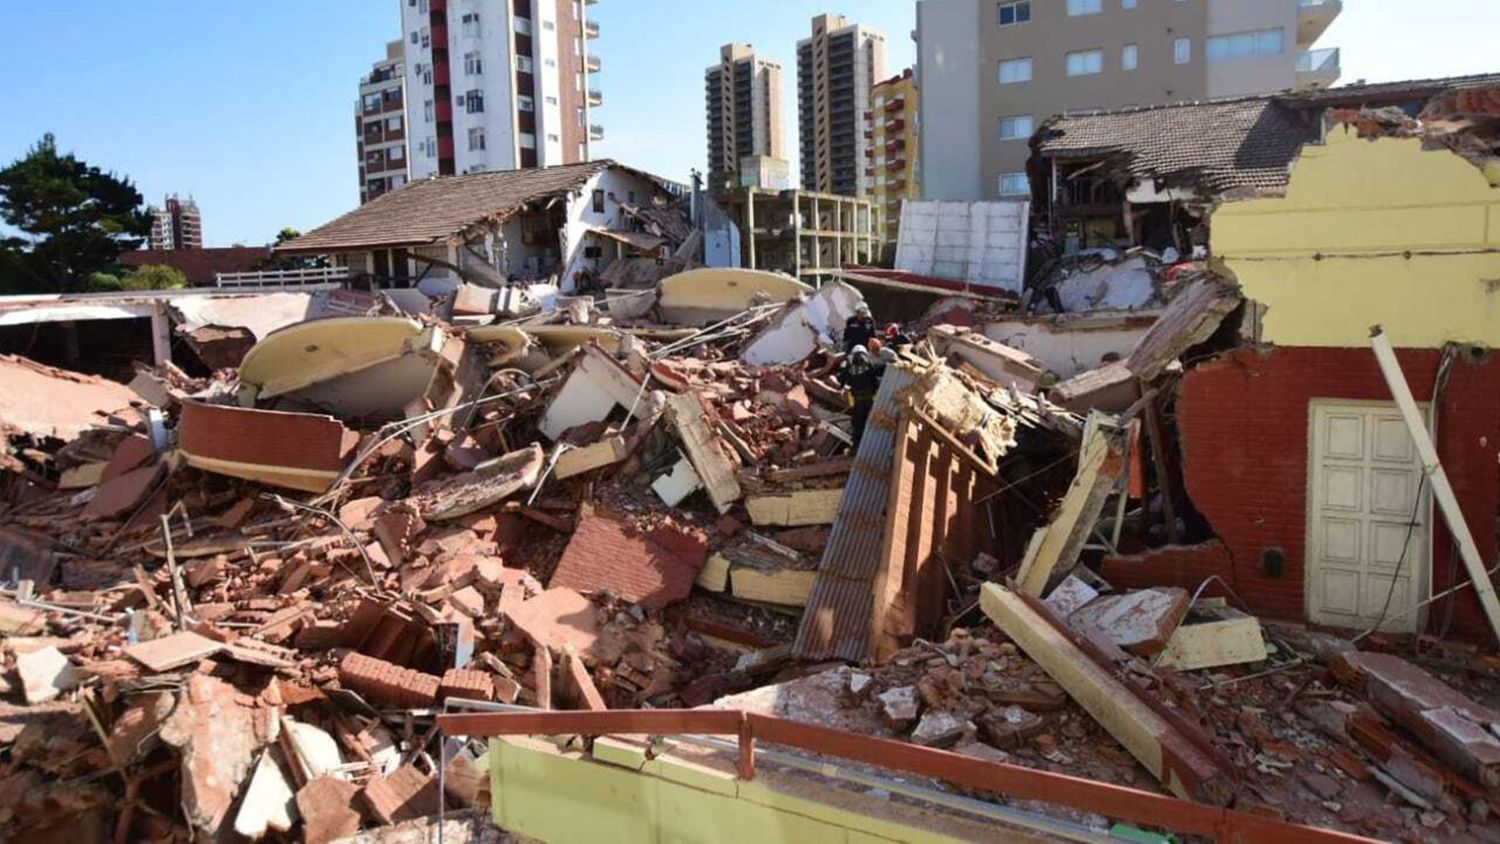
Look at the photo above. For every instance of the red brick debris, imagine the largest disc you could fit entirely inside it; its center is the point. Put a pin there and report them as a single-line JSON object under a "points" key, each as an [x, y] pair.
{"points": [[208, 588]]}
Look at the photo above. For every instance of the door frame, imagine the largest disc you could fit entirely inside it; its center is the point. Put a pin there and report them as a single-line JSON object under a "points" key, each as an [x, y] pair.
{"points": [[1423, 582]]}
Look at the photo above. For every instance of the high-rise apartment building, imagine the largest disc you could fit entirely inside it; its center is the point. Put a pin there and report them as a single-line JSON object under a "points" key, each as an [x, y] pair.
{"points": [[836, 68], [175, 225], [743, 93], [380, 125], [892, 126], [991, 72], [498, 84]]}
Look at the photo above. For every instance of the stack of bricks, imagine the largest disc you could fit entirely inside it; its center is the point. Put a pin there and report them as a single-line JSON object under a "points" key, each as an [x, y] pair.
{"points": [[387, 684], [466, 684]]}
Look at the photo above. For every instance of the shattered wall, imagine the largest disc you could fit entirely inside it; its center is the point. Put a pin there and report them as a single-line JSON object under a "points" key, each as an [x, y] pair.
{"points": [[1243, 423], [1344, 250]]}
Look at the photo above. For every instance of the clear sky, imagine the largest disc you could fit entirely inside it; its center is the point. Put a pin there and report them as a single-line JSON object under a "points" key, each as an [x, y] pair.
{"points": [[248, 104]]}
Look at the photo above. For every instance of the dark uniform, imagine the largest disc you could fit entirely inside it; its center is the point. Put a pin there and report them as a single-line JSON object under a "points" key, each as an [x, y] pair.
{"points": [[862, 377], [858, 331]]}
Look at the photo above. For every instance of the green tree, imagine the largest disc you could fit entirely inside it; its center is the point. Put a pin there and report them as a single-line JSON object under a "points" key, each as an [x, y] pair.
{"points": [[154, 277], [286, 235], [74, 220], [103, 283]]}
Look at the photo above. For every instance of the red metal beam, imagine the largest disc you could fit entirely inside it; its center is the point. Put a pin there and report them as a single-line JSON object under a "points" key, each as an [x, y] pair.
{"points": [[1118, 802]]}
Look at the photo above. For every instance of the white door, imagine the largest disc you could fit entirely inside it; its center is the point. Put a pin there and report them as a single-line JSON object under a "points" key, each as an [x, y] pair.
{"points": [[1365, 479]]}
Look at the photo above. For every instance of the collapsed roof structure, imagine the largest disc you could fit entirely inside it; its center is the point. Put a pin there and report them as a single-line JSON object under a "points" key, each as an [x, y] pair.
{"points": [[1071, 582]]}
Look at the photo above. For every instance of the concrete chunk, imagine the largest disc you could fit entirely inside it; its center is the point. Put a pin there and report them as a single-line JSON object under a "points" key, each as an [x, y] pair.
{"points": [[1140, 622]]}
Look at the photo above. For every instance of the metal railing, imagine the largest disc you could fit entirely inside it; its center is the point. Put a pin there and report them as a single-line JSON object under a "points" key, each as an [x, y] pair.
{"points": [[1114, 801], [325, 278]]}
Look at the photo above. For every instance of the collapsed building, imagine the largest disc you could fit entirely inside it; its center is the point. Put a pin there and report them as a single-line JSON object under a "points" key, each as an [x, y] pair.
{"points": [[586, 560]]}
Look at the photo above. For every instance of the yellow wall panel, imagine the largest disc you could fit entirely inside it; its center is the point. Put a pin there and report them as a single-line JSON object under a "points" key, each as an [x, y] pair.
{"points": [[1329, 259]]}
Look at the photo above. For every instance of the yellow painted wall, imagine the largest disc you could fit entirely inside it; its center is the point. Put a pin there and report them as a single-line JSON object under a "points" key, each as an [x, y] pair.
{"points": [[624, 798], [1361, 204]]}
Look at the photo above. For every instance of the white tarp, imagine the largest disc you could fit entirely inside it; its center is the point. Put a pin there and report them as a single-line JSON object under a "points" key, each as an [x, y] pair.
{"points": [[980, 243]]}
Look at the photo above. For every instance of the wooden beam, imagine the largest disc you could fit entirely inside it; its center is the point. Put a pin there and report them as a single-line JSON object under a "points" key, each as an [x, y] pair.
{"points": [[702, 447], [1437, 478], [1171, 757], [1099, 466], [1158, 437]]}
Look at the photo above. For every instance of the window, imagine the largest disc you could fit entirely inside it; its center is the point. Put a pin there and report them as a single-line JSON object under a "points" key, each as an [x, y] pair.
{"points": [[1010, 14], [416, 36], [474, 102], [1014, 128], [426, 39], [551, 62], [471, 27], [551, 138], [427, 112], [523, 25], [578, 82], [578, 46], [1014, 184], [1085, 62], [1127, 4], [372, 102], [526, 140], [580, 117], [1244, 45], [1085, 7], [524, 102], [429, 147], [473, 64], [397, 153], [476, 139], [525, 65], [393, 124], [1015, 70], [599, 200], [1182, 50], [1130, 57], [631, 197], [549, 26]]}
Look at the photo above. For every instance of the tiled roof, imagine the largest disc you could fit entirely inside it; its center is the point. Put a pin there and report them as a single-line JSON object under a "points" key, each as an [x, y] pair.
{"points": [[1218, 145], [434, 210], [1383, 93]]}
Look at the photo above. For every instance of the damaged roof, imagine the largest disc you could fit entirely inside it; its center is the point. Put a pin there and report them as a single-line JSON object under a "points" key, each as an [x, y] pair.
{"points": [[437, 210], [1215, 146], [1385, 93]]}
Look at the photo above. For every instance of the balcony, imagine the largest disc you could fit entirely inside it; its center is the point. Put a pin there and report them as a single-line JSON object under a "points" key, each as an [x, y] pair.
{"points": [[596, 132], [596, 98], [591, 29], [1318, 68], [593, 64], [1314, 17]]}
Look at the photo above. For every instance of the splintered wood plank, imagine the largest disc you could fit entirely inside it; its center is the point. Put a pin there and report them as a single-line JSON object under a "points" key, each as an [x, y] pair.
{"points": [[702, 447]]}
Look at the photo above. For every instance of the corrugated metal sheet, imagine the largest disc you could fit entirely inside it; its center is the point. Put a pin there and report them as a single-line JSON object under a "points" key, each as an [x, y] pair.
{"points": [[836, 624]]}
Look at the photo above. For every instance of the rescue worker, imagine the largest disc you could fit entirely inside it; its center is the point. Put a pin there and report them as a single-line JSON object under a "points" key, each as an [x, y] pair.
{"points": [[895, 338], [859, 329], [862, 378]]}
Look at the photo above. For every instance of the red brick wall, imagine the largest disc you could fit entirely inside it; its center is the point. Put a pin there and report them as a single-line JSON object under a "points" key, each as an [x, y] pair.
{"points": [[1243, 425]]}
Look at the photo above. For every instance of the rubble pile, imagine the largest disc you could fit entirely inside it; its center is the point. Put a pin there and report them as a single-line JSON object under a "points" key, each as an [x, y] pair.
{"points": [[236, 603]]}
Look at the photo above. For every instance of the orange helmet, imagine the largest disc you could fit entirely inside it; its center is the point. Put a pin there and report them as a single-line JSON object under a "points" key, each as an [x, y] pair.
{"points": [[875, 345]]}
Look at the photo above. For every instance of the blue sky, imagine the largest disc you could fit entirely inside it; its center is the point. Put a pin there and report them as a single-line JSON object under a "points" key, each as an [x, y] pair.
{"points": [[247, 104]]}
